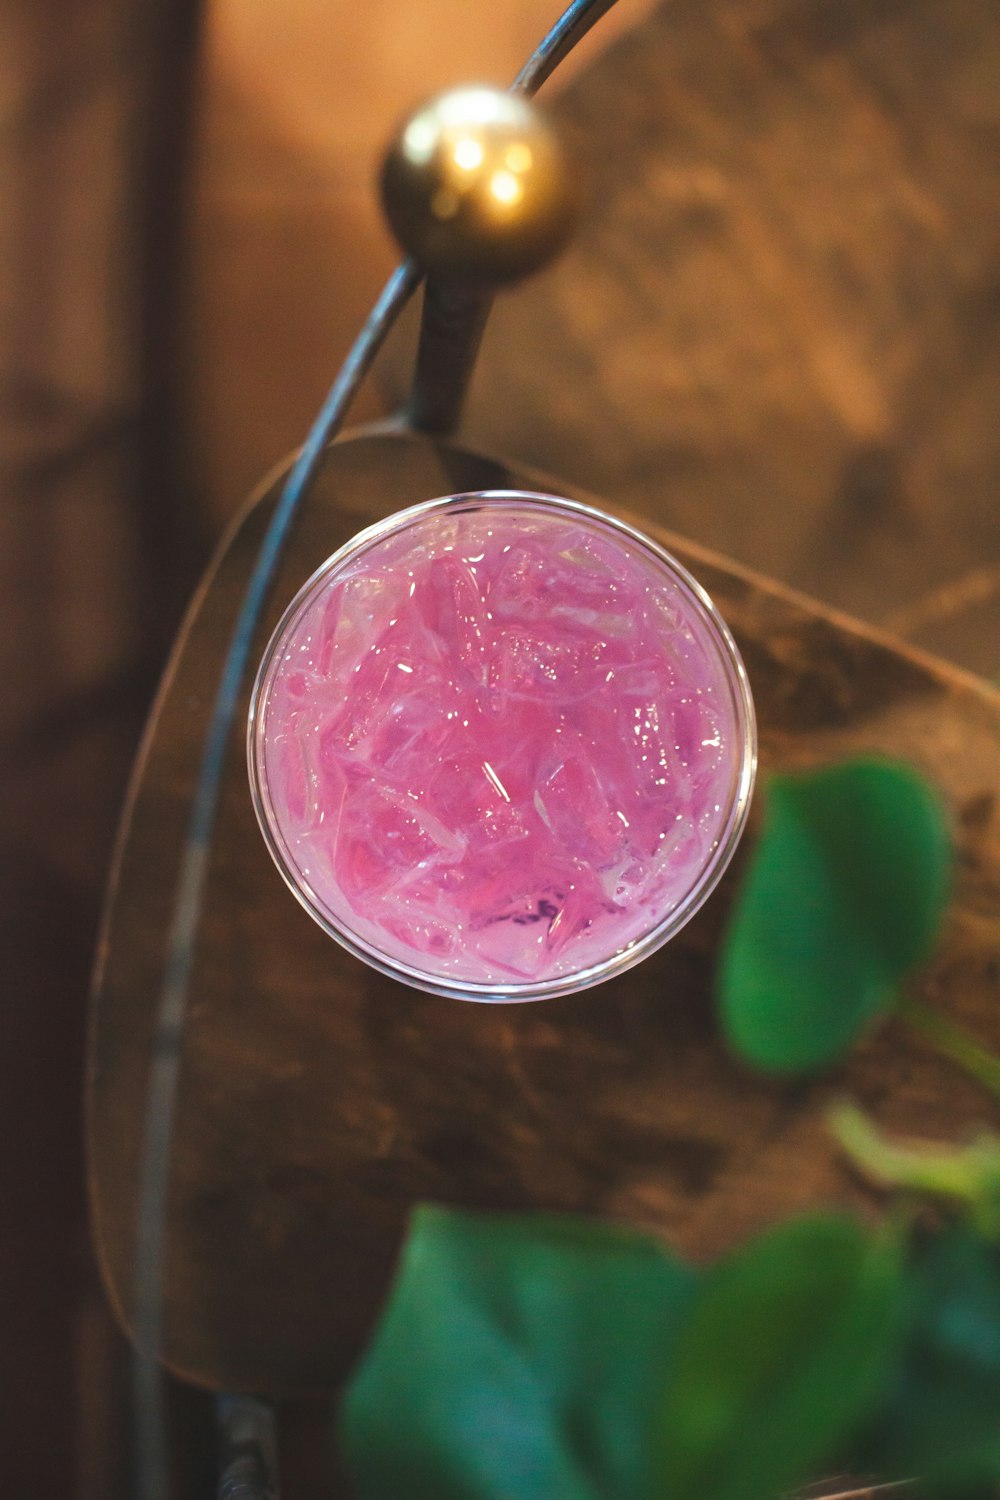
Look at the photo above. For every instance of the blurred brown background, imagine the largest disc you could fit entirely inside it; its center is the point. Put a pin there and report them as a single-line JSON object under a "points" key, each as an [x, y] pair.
{"points": [[190, 239]]}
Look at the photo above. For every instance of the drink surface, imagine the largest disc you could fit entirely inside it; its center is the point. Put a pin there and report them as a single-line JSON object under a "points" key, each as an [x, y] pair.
{"points": [[500, 745]]}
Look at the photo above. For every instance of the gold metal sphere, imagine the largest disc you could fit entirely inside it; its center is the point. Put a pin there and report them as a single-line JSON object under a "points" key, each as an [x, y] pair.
{"points": [[475, 187]]}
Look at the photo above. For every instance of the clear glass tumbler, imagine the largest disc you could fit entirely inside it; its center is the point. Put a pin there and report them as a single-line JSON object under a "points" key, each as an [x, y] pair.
{"points": [[501, 746]]}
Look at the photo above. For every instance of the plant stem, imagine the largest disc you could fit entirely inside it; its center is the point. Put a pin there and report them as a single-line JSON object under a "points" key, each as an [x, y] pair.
{"points": [[968, 1176], [953, 1041]]}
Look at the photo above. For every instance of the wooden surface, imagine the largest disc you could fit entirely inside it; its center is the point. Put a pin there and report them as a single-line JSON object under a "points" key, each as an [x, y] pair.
{"points": [[778, 328], [319, 1100]]}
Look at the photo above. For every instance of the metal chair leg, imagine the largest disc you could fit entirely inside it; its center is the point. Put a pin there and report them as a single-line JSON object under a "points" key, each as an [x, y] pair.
{"points": [[248, 1454]]}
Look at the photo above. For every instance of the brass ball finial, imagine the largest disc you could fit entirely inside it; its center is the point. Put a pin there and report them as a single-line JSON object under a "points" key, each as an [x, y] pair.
{"points": [[475, 187]]}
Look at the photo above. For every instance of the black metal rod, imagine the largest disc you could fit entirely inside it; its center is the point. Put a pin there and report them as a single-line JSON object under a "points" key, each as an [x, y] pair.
{"points": [[571, 27], [452, 323], [454, 317]]}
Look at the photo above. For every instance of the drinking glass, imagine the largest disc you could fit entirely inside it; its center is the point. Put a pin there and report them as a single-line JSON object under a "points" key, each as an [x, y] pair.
{"points": [[501, 746]]}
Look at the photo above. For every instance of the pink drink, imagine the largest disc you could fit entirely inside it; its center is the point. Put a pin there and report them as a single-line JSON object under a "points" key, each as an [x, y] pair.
{"points": [[502, 746]]}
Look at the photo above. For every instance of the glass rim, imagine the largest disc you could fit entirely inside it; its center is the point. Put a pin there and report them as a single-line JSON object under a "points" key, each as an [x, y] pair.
{"points": [[641, 947]]}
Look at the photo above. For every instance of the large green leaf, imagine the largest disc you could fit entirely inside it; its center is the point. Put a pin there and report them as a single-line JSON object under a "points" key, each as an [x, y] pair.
{"points": [[844, 894], [941, 1422], [517, 1359], [786, 1348]]}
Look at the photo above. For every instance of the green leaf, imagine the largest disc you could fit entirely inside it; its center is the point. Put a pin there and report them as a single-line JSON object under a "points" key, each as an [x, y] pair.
{"points": [[783, 1355], [521, 1358], [844, 894], [942, 1420]]}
